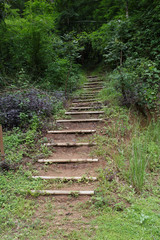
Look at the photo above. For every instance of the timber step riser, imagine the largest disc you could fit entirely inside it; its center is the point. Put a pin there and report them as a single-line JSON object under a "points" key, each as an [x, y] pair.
{"points": [[86, 101], [65, 178], [93, 83], [71, 132], [92, 76], [87, 104], [81, 113], [61, 192], [79, 120], [85, 108], [93, 91], [92, 88], [69, 144], [67, 160]]}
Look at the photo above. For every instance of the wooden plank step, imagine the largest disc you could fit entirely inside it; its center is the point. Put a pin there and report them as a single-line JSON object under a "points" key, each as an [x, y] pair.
{"points": [[81, 108], [94, 80], [71, 131], [80, 160], [92, 76], [85, 100], [68, 144], [62, 192], [79, 120], [95, 86], [85, 97], [87, 94], [65, 178], [87, 104], [92, 83], [87, 112], [92, 88]]}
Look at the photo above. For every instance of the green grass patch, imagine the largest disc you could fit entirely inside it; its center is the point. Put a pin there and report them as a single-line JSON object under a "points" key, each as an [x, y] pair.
{"points": [[16, 209], [140, 221]]}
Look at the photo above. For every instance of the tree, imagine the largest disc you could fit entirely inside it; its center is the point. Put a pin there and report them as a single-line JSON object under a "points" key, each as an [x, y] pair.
{"points": [[1, 10], [76, 15]]}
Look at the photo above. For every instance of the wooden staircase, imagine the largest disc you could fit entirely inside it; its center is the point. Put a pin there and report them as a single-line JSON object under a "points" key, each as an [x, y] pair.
{"points": [[68, 150]]}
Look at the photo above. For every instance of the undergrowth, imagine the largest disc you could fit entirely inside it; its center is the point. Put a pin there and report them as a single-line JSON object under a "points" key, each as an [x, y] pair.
{"points": [[128, 191], [128, 194]]}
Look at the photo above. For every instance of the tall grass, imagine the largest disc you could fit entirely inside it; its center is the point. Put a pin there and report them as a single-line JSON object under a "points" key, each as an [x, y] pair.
{"points": [[145, 154]]}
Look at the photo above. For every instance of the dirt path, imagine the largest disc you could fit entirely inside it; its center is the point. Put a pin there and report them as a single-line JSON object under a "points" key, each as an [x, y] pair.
{"points": [[69, 162]]}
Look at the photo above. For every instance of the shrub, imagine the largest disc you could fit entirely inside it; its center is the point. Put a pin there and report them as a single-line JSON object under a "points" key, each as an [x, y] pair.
{"points": [[19, 109], [138, 81]]}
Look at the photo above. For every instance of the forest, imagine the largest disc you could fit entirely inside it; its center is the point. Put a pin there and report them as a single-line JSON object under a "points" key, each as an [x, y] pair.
{"points": [[48, 48]]}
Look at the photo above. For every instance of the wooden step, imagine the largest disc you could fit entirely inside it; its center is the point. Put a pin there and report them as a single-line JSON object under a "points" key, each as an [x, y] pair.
{"points": [[85, 100], [93, 83], [86, 104], [92, 88], [69, 144], [79, 120], [81, 108], [65, 178], [90, 80], [93, 91], [87, 112], [92, 76], [86, 94], [62, 192], [80, 160], [72, 131]]}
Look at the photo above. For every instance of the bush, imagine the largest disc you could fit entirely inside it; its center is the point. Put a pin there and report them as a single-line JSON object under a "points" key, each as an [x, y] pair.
{"points": [[144, 154], [19, 109], [138, 81], [31, 51]]}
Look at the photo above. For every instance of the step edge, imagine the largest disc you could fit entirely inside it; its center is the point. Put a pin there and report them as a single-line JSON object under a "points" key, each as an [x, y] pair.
{"points": [[63, 192], [68, 160]]}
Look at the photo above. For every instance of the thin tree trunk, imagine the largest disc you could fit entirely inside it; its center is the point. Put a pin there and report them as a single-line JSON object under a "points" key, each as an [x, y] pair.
{"points": [[127, 12]]}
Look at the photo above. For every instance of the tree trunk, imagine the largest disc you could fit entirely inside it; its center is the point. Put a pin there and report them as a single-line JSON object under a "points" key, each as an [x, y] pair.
{"points": [[127, 12]]}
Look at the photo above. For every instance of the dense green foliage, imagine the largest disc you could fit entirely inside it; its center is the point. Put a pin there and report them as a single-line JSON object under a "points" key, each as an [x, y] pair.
{"points": [[29, 43], [47, 39], [43, 46], [131, 46]]}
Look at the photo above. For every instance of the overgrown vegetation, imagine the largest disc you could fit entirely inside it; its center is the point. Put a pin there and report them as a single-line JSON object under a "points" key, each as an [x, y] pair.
{"points": [[36, 54], [28, 107], [131, 174], [43, 46]]}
